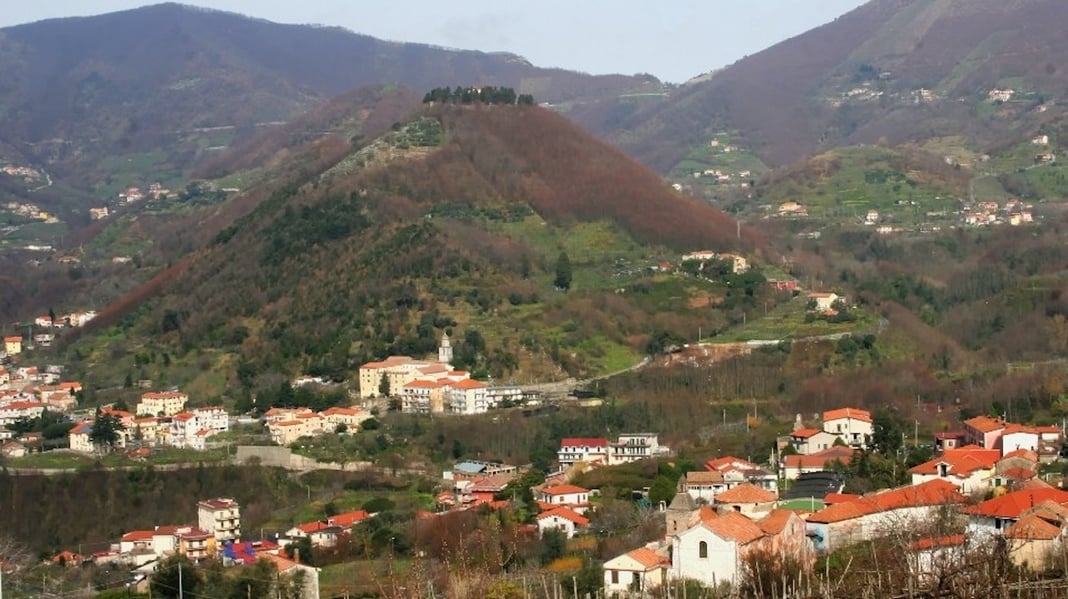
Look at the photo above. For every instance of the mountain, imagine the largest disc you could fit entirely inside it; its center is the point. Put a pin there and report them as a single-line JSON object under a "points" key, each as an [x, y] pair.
{"points": [[163, 85], [893, 70], [455, 219]]}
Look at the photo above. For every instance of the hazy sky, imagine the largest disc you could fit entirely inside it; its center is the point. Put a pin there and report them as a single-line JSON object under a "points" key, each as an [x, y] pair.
{"points": [[673, 40]]}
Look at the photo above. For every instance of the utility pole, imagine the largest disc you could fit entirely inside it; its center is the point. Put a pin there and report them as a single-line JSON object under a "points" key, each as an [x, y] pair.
{"points": [[181, 595]]}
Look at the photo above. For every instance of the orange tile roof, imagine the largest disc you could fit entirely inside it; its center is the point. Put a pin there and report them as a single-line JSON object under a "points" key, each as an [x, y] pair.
{"points": [[933, 542], [347, 519], [706, 512], [820, 459], [804, 433], [564, 490], [735, 527], [138, 535], [646, 557], [566, 514], [12, 339], [961, 462], [725, 461], [698, 478], [469, 384], [1026, 454], [1011, 505], [932, 492], [746, 493], [775, 521], [854, 413], [164, 395], [841, 512], [1019, 473], [1032, 527], [584, 442], [421, 384], [985, 424]]}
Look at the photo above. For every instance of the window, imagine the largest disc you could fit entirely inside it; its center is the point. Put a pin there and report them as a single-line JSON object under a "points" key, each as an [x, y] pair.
{"points": [[615, 576], [702, 549]]}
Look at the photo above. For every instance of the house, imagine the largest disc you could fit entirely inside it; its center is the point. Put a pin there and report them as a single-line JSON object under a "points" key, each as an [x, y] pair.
{"points": [[16, 410], [13, 345], [467, 396], [703, 486], [318, 533], [288, 569], [713, 551], [337, 416], [248, 552], [136, 540], [853, 426], [639, 571], [347, 520], [736, 471], [632, 447], [68, 559], [398, 371], [1043, 440], [792, 208], [949, 440], [1016, 468], [221, 516], [168, 403], [783, 284], [1040, 140], [984, 431], [852, 521], [98, 213], [564, 519], [747, 499], [971, 468], [196, 544], [993, 516], [572, 496], [582, 449], [793, 466], [13, 449], [79, 438], [423, 397], [1034, 539], [822, 300], [807, 441]]}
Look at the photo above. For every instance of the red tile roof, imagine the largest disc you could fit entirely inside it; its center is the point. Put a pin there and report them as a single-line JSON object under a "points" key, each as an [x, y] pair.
{"points": [[820, 459], [138, 535], [854, 413], [468, 384], [646, 557], [933, 542], [804, 433], [775, 521], [566, 514], [584, 442], [833, 498], [746, 493], [347, 519], [985, 424], [932, 492], [1011, 505], [960, 462], [564, 490], [734, 527], [1032, 527], [1026, 454], [727, 461]]}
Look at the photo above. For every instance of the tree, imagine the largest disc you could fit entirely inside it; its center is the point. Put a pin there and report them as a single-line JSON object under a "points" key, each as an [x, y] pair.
{"points": [[662, 489], [165, 582], [106, 430], [563, 272], [383, 385], [886, 438]]}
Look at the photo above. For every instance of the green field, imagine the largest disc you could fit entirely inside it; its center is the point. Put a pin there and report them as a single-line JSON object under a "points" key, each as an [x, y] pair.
{"points": [[787, 321]]}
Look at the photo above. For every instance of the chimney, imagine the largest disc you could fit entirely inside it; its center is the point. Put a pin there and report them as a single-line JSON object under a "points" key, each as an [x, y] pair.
{"points": [[296, 554]]}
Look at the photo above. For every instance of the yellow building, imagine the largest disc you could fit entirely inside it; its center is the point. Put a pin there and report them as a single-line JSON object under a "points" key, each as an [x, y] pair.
{"points": [[13, 345]]}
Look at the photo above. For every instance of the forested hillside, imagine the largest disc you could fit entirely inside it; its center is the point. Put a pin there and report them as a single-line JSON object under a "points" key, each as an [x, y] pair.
{"points": [[532, 241]]}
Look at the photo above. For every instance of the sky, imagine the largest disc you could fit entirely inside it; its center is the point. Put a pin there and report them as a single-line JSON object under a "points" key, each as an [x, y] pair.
{"points": [[673, 40]]}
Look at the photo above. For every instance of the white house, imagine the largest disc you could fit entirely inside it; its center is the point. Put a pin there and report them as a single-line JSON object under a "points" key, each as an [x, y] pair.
{"points": [[712, 552], [823, 300], [640, 571], [221, 517], [807, 441], [467, 396], [854, 426], [167, 403], [582, 449], [971, 468], [572, 496], [562, 518], [634, 446]]}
